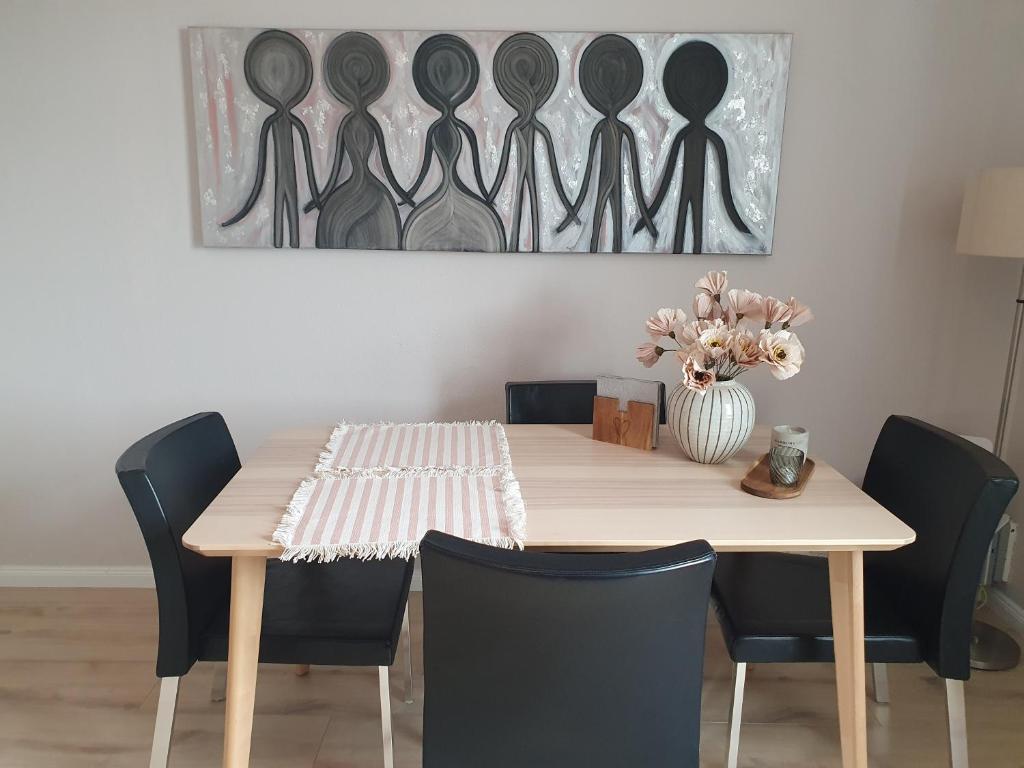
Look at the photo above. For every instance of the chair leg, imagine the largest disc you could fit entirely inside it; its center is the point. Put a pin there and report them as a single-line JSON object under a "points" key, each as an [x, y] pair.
{"points": [[385, 717], [218, 689], [956, 711], [164, 722], [736, 715], [880, 682], [407, 628], [301, 670]]}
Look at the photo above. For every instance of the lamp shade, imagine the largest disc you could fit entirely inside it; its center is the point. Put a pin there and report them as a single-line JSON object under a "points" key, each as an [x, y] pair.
{"points": [[992, 220]]}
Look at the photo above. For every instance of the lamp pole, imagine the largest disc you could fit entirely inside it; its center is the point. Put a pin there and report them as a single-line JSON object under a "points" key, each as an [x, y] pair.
{"points": [[1011, 370], [991, 648]]}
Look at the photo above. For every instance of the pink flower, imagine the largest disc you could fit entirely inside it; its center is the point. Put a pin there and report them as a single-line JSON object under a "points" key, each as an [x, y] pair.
{"points": [[695, 377], [783, 352], [775, 311], [746, 304], [665, 322], [744, 349], [648, 354], [798, 314], [688, 333], [713, 284], [705, 307]]}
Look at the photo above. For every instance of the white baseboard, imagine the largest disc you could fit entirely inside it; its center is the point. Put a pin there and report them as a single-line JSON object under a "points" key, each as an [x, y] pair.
{"points": [[1005, 606], [98, 576], [137, 576]]}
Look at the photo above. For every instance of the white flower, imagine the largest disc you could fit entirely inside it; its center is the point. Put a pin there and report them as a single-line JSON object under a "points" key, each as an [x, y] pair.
{"points": [[716, 339], [783, 352]]}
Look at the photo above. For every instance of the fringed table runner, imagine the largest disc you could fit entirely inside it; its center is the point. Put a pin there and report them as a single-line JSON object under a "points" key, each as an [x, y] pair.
{"points": [[378, 488], [457, 445]]}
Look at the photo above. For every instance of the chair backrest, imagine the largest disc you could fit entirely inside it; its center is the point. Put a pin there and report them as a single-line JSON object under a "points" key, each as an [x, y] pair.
{"points": [[562, 660], [170, 477], [952, 493], [555, 402]]}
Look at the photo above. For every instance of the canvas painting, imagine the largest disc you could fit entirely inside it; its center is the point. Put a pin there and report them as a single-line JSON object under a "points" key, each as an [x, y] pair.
{"points": [[489, 141]]}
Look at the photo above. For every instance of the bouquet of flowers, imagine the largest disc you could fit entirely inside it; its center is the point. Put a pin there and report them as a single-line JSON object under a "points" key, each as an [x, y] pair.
{"points": [[732, 332]]}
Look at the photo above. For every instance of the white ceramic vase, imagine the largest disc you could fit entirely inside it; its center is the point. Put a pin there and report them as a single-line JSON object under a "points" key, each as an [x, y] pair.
{"points": [[711, 426]]}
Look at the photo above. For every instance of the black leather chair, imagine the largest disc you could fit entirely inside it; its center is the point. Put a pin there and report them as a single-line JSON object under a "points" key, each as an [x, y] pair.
{"points": [[562, 661], [919, 600], [348, 612], [555, 402]]}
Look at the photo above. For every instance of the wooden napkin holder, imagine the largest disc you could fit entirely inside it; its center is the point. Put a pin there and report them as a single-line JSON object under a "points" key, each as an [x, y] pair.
{"points": [[632, 427]]}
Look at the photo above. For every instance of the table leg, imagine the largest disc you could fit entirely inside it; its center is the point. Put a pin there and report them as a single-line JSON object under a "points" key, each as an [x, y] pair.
{"points": [[248, 575], [846, 583]]}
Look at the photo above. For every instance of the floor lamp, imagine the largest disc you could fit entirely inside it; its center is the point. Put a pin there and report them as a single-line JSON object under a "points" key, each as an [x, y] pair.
{"points": [[992, 224]]}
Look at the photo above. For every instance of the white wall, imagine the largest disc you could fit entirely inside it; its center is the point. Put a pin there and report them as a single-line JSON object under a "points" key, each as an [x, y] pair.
{"points": [[115, 322]]}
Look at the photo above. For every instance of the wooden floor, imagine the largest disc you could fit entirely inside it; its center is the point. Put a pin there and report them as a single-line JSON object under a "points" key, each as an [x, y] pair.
{"points": [[77, 689]]}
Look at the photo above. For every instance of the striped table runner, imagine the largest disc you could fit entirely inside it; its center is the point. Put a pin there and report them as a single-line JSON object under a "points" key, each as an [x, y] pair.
{"points": [[378, 488], [456, 445]]}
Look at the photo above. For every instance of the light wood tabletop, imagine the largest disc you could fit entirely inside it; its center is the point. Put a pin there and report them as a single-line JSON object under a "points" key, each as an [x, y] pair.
{"points": [[584, 493], [580, 494]]}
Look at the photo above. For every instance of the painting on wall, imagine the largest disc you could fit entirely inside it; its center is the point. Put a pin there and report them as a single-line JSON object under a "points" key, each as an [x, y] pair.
{"points": [[489, 141]]}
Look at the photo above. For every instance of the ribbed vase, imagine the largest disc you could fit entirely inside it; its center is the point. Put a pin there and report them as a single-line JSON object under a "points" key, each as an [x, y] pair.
{"points": [[711, 426]]}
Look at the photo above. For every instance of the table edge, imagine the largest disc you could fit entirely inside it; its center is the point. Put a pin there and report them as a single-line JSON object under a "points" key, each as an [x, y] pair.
{"points": [[795, 545]]}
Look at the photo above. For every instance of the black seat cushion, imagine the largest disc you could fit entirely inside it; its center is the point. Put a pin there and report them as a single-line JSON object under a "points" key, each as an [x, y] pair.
{"points": [[346, 613], [776, 608]]}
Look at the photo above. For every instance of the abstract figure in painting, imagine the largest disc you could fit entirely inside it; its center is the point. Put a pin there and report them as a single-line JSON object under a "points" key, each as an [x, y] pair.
{"points": [[453, 218], [360, 213], [695, 79], [525, 72], [610, 74], [279, 70]]}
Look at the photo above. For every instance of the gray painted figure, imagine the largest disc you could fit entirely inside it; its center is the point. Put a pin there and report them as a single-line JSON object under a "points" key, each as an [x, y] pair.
{"points": [[452, 218], [359, 213], [611, 73], [279, 70]]}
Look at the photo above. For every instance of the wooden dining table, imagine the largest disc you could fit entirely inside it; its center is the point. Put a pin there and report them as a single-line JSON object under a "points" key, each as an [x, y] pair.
{"points": [[580, 495]]}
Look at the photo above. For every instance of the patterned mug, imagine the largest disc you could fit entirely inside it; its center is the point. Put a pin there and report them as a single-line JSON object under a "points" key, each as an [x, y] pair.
{"points": [[787, 454]]}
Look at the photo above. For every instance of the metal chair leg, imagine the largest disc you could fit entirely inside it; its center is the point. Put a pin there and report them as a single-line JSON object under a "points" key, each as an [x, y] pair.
{"points": [[407, 628], [956, 720], [385, 717], [218, 689], [736, 715], [880, 682], [164, 722]]}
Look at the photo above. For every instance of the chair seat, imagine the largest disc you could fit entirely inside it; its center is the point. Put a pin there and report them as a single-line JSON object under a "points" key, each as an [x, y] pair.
{"points": [[776, 608], [346, 613]]}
